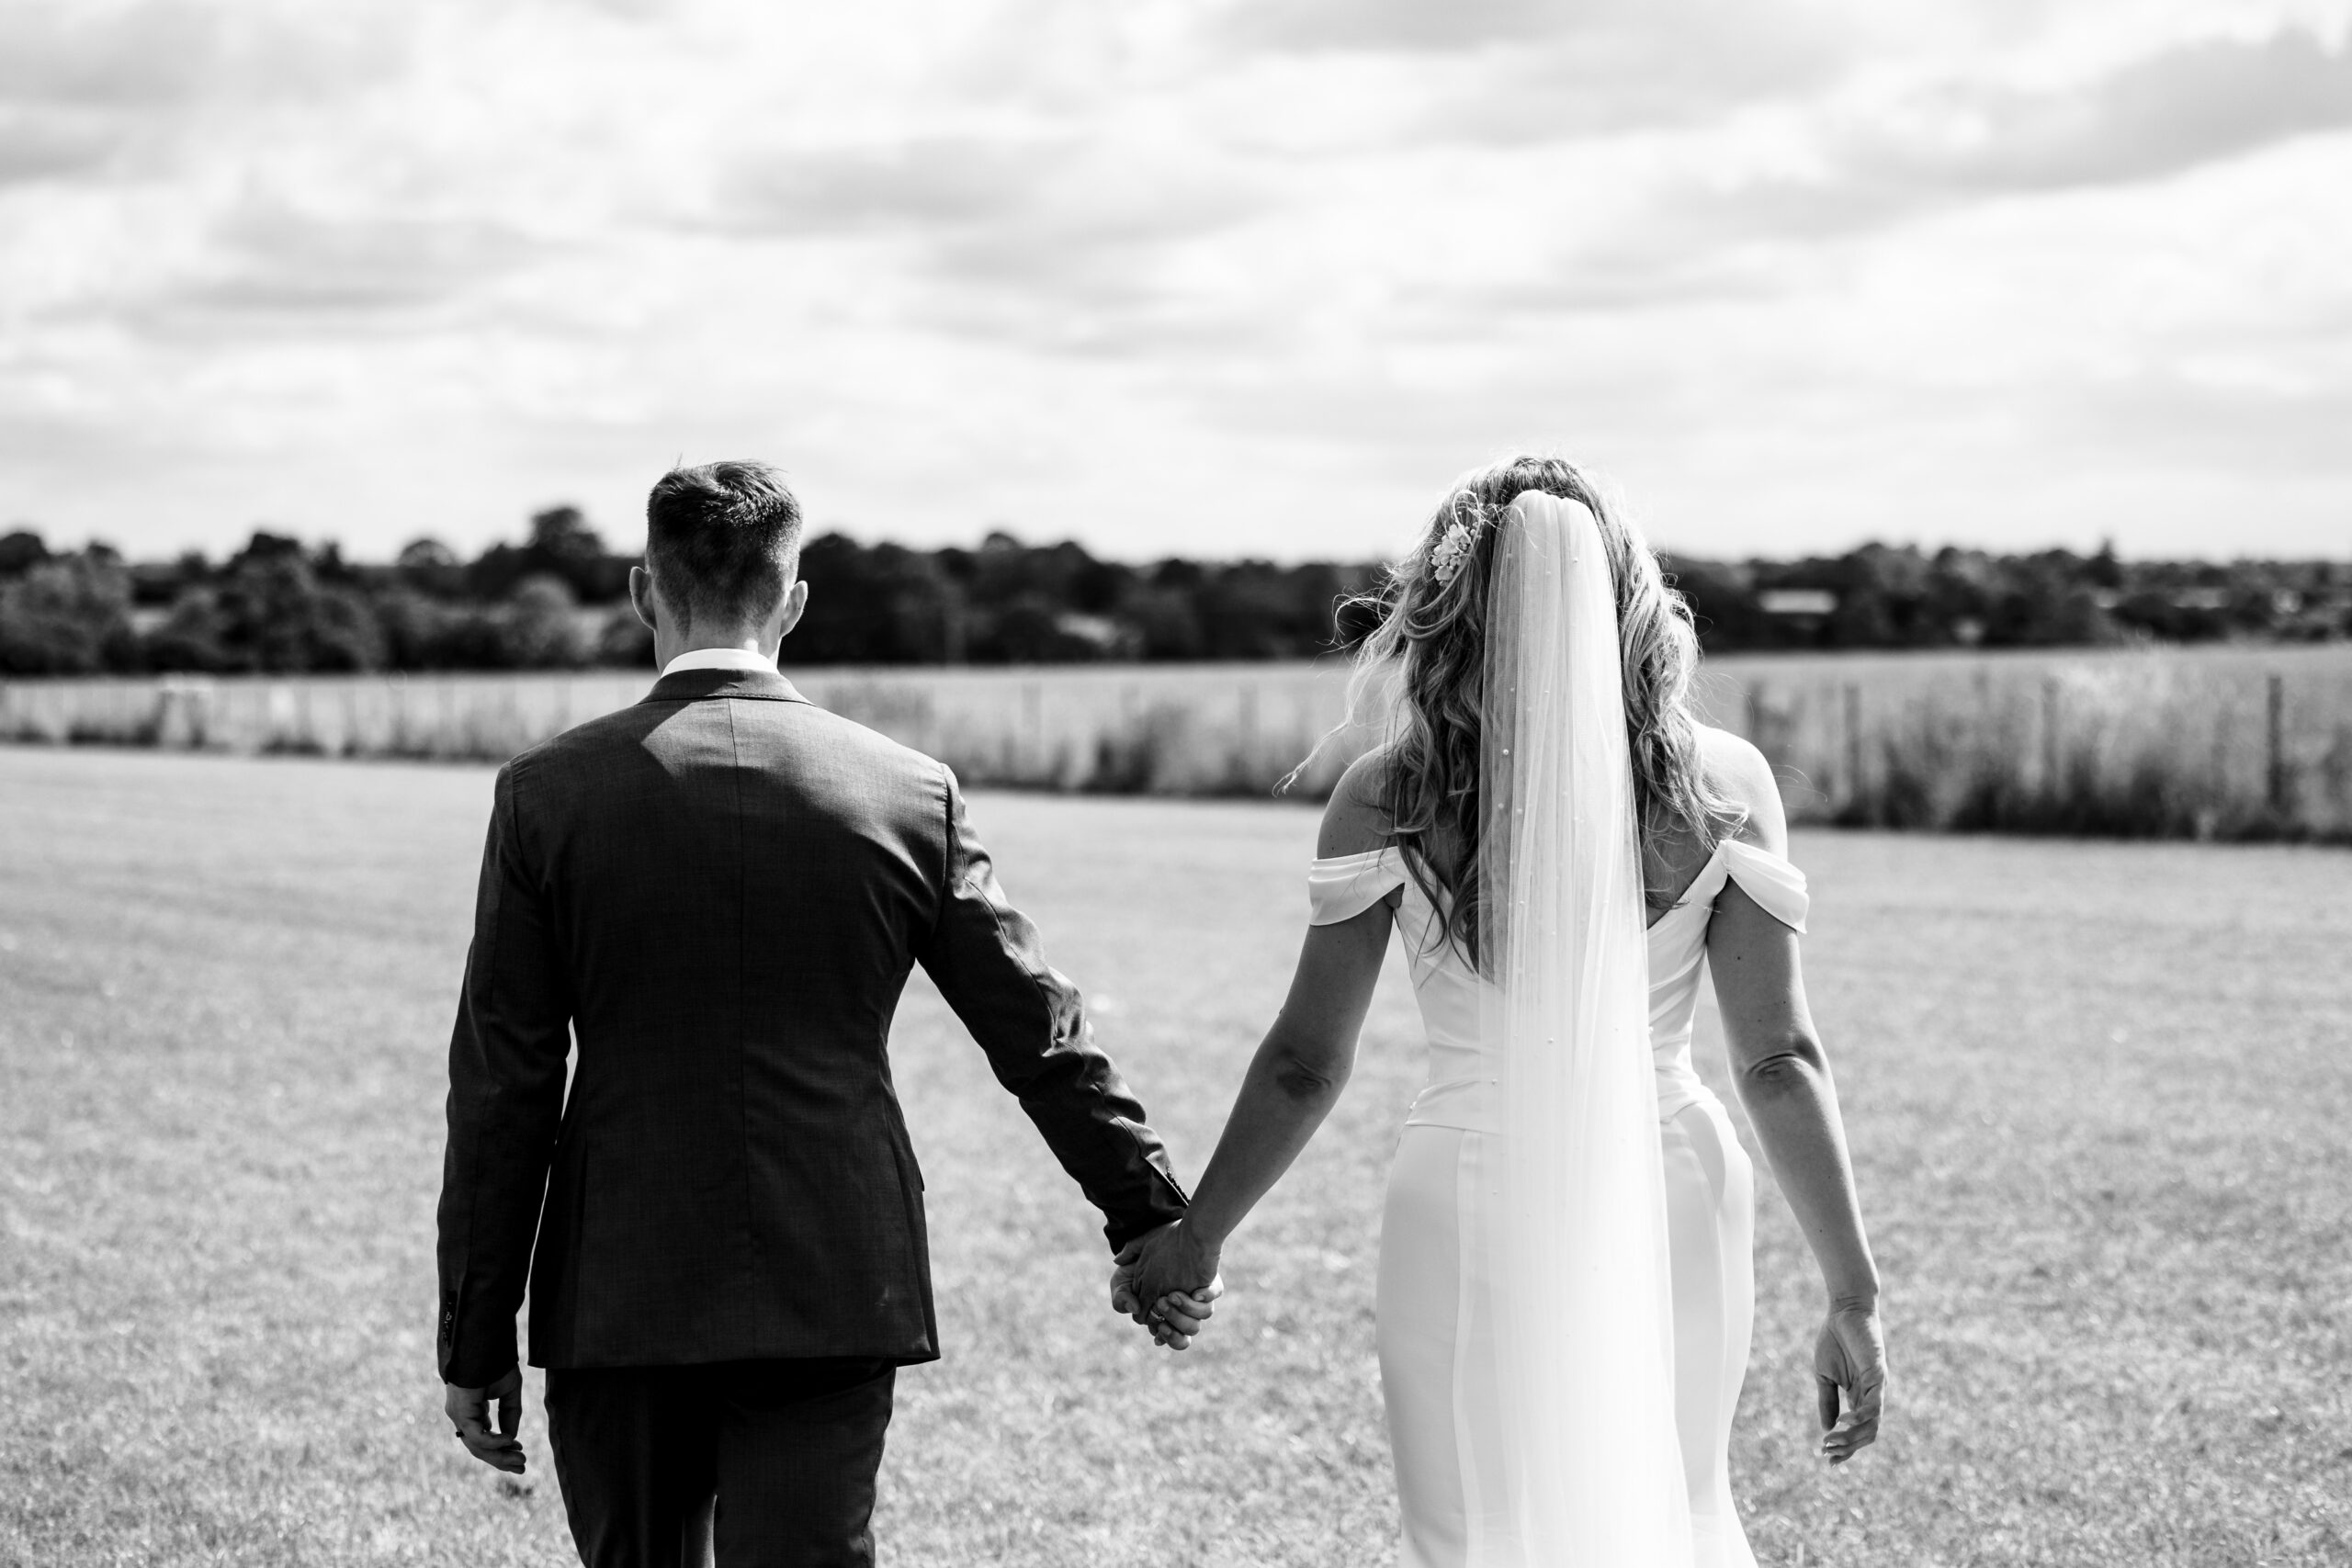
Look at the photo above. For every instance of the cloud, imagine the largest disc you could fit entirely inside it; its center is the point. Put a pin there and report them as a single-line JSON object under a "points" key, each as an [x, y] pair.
{"points": [[1728, 220], [99, 89], [1533, 71], [1067, 245], [1062, 190], [2285, 434], [275, 261], [77, 89], [2148, 119], [160, 52], [36, 145], [908, 186], [1332, 25]]}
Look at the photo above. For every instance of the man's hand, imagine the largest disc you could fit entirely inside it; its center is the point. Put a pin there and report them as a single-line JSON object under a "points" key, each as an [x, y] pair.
{"points": [[1849, 1358], [1166, 1279], [468, 1411], [1174, 1319]]}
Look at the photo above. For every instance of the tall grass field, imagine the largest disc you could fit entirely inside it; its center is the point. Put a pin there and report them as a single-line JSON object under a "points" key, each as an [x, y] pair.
{"points": [[2098, 1095], [2232, 742]]}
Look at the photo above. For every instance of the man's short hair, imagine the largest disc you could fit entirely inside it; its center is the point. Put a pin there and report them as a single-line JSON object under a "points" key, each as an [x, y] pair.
{"points": [[723, 540]]}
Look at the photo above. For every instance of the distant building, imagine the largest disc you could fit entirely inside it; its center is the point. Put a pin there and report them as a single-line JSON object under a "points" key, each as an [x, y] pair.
{"points": [[1106, 636], [2190, 598], [1811, 604]]}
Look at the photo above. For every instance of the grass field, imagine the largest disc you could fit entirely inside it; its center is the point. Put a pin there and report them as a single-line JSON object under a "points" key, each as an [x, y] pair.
{"points": [[2098, 1096]]}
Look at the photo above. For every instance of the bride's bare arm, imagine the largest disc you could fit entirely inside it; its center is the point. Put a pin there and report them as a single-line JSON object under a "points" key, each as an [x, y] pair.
{"points": [[1792, 1101], [1293, 1082]]}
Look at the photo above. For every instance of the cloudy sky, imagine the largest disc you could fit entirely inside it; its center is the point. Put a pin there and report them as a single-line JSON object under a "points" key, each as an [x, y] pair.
{"points": [[1204, 277]]}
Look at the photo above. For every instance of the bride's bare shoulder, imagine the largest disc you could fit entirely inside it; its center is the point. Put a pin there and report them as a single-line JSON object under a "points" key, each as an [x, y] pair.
{"points": [[1738, 774], [1355, 820]]}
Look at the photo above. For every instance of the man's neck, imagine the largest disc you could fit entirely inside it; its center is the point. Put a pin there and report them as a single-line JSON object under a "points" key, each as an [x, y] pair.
{"points": [[666, 652]]}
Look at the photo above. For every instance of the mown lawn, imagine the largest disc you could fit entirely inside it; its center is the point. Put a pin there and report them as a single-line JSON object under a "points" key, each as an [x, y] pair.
{"points": [[2098, 1095]]}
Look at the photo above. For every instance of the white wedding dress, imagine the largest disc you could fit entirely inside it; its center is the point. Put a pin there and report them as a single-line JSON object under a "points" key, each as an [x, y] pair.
{"points": [[1440, 1272]]}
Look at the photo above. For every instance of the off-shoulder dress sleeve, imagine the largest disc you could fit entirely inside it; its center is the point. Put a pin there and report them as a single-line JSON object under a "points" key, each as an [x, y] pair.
{"points": [[1344, 887], [1775, 884]]}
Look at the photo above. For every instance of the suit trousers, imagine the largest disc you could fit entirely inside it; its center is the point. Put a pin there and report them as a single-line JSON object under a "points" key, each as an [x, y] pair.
{"points": [[769, 1462]]}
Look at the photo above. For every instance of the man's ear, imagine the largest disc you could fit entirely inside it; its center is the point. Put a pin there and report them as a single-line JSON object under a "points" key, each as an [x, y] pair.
{"points": [[640, 598], [796, 602]]}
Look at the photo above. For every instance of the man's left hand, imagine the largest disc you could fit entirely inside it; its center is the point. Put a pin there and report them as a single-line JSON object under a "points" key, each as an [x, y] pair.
{"points": [[468, 1411], [1166, 1279]]}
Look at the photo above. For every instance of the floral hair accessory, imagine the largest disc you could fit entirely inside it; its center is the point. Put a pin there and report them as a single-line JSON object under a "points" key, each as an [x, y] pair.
{"points": [[1452, 549]]}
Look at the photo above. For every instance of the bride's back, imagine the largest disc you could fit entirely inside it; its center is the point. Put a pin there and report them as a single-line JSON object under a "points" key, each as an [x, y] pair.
{"points": [[1673, 855]]}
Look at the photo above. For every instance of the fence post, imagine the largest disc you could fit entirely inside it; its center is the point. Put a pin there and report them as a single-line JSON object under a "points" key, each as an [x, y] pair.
{"points": [[1033, 706], [2277, 745], [2049, 736], [1853, 747]]}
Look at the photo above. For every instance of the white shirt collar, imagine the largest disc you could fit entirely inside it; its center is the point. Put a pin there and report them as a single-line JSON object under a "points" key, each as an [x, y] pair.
{"points": [[720, 659]]}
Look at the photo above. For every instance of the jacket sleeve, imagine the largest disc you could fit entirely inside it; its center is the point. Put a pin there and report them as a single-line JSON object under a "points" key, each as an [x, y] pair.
{"points": [[984, 956], [506, 1078]]}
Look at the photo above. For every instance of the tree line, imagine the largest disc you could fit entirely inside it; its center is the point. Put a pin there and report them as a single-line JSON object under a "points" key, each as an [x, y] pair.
{"points": [[557, 600]]}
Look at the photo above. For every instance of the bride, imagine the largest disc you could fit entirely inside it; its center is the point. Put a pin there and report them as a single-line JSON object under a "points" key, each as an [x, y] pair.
{"points": [[1566, 1286]]}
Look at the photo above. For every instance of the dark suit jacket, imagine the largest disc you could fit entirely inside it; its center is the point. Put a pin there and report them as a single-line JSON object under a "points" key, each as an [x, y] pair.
{"points": [[719, 893]]}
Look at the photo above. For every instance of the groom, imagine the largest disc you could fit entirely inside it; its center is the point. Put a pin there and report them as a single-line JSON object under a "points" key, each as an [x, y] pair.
{"points": [[716, 895]]}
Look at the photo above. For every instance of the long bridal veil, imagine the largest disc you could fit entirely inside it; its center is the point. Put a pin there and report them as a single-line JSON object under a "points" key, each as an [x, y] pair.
{"points": [[1583, 1307]]}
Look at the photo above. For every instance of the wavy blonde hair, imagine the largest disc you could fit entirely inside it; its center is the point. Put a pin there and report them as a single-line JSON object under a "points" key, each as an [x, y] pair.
{"points": [[1425, 663]]}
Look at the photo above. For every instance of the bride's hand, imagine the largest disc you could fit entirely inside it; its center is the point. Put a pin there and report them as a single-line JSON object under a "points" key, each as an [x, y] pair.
{"points": [[1178, 1318], [1850, 1360]]}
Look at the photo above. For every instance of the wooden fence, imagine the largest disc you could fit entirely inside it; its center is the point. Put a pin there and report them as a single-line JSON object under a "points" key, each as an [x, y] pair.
{"points": [[2228, 742], [1166, 729]]}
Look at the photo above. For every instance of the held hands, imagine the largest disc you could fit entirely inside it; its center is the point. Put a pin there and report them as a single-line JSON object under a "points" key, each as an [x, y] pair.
{"points": [[1175, 1273], [469, 1412], [1849, 1358]]}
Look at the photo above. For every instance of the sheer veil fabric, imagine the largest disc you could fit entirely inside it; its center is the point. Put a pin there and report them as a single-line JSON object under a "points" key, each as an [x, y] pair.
{"points": [[1583, 1310]]}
